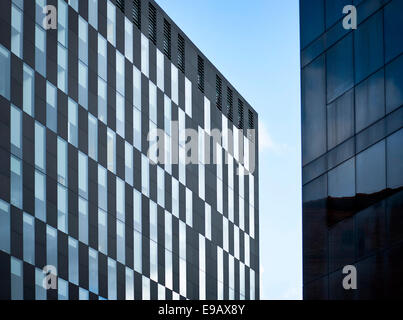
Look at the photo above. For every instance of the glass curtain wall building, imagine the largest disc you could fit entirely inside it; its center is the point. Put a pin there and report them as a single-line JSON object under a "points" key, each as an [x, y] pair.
{"points": [[79, 190], [352, 141]]}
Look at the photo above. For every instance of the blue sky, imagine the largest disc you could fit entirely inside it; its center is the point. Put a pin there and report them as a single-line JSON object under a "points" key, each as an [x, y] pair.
{"points": [[255, 44]]}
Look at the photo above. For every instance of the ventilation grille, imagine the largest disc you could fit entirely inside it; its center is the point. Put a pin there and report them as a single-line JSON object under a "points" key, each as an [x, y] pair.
{"points": [[200, 73], [230, 108], [240, 114], [181, 53], [218, 92], [251, 124], [167, 39], [152, 23], [136, 13], [121, 5]]}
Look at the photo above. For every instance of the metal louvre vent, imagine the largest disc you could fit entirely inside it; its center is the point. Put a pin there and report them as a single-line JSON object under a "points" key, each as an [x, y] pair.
{"points": [[181, 53], [240, 114], [152, 23], [218, 92], [251, 124], [167, 39], [200, 73], [230, 112], [121, 5], [136, 13]]}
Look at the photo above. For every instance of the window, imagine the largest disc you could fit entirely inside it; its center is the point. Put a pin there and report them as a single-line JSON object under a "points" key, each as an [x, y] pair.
{"points": [[189, 207], [120, 241], [83, 294], [112, 279], [202, 268], [394, 84], [120, 115], [145, 179], [62, 68], [5, 72], [40, 50], [231, 277], [236, 242], [137, 247], [16, 31], [175, 197], [220, 274], [120, 73], [74, 4], [137, 210], [51, 107], [160, 70], [174, 84], [92, 137], [62, 20], [153, 221], [111, 150], [167, 39], [242, 280], [168, 269], [153, 102], [207, 221], [73, 261], [40, 291], [136, 88], [161, 186], [129, 284], [16, 182], [136, 13], [73, 122], [93, 13], [83, 40], [40, 196], [200, 73], [62, 205], [252, 284], [218, 92], [137, 129], [188, 97], [29, 238], [102, 188], [144, 55], [153, 261], [120, 199], [146, 288], [312, 21], [4, 226], [182, 258], [83, 175], [102, 57], [128, 40], [102, 231], [225, 234], [181, 53], [28, 86], [111, 22], [61, 161], [93, 270], [339, 61], [207, 116], [16, 131], [102, 100], [17, 284], [152, 23], [51, 246], [394, 163], [40, 147], [128, 163], [247, 249], [393, 22], [83, 220], [83, 84]]}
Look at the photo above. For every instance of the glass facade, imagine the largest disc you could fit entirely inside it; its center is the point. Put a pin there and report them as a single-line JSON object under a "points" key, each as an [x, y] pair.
{"points": [[352, 142], [84, 196]]}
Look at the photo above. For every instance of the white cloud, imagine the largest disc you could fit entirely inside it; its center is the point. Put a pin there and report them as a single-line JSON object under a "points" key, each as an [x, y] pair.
{"points": [[266, 142]]}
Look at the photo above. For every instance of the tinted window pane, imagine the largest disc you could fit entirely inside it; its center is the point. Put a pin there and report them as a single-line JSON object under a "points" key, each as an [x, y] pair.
{"points": [[368, 47], [394, 84], [334, 10], [369, 101], [394, 161], [341, 180], [371, 175], [312, 20], [393, 29], [314, 110], [339, 61]]}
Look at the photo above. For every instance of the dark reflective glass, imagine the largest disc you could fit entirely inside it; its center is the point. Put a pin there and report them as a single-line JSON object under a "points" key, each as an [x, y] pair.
{"points": [[368, 41], [394, 84], [393, 29], [340, 119], [334, 10], [369, 101], [394, 145], [339, 61], [342, 180], [312, 20], [341, 244], [371, 175], [313, 110]]}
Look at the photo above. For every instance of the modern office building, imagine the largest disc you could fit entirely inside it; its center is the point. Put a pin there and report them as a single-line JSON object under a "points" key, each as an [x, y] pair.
{"points": [[352, 149], [81, 192]]}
